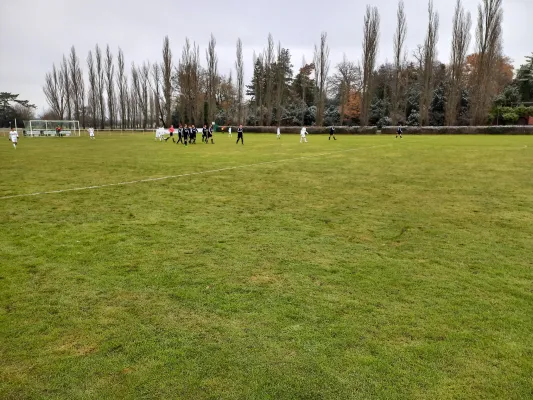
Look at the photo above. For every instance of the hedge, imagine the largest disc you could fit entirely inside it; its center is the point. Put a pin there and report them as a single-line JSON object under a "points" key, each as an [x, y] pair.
{"points": [[462, 130], [339, 130]]}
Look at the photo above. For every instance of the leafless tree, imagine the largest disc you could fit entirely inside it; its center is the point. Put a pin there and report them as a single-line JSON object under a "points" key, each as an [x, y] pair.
{"points": [[212, 75], [280, 83], [93, 90], [54, 91], [122, 88], [321, 75], [239, 66], [488, 49], [139, 77], [343, 81], [157, 89], [429, 54], [77, 85], [100, 82], [144, 77], [399, 55], [462, 22], [167, 81], [110, 86], [66, 87], [189, 82], [370, 49]]}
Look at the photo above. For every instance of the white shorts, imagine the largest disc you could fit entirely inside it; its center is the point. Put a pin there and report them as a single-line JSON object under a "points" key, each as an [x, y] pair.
{"points": [[14, 140], [91, 134]]}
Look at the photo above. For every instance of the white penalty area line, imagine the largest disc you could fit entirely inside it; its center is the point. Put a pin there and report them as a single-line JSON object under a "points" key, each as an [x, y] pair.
{"points": [[212, 171]]}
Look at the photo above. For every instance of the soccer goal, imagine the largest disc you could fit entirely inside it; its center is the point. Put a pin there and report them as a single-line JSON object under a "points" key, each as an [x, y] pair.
{"points": [[41, 127]]}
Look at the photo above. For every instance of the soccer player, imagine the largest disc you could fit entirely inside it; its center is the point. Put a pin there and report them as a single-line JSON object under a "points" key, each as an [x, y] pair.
{"points": [[332, 133], [180, 134], [229, 132], [171, 133], [204, 134], [239, 135], [91, 133], [186, 133], [399, 132], [210, 135], [194, 131], [14, 137], [278, 135], [303, 132], [58, 131]]}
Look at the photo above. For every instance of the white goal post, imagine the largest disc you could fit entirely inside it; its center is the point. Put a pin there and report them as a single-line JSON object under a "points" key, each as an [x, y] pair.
{"points": [[41, 127]]}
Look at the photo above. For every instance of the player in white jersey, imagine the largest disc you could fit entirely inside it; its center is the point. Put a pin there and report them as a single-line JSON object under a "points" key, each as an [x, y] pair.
{"points": [[278, 133], [14, 137], [229, 132], [159, 134], [303, 132], [91, 133]]}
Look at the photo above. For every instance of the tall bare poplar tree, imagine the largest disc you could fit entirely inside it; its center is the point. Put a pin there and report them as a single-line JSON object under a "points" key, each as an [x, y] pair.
{"points": [[66, 87], [167, 81], [76, 83], [157, 90], [239, 66], [93, 90], [488, 48], [212, 77], [122, 88], [110, 86], [321, 76], [462, 22], [54, 92], [144, 77], [370, 50], [100, 82], [188, 80], [429, 54], [399, 55]]}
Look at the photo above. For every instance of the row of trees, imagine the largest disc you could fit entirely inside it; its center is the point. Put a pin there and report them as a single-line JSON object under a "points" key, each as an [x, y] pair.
{"points": [[415, 89]]}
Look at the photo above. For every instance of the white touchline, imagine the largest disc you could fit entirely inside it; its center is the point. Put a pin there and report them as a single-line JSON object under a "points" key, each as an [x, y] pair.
{"points": [[188, 174]]}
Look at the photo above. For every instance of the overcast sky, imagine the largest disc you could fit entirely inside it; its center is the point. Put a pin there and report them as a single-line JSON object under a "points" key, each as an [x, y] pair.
{"points": [[35, 34]]}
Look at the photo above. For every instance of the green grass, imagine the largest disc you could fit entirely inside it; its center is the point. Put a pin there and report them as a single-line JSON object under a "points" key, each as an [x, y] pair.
{"points": [[363, 268]]}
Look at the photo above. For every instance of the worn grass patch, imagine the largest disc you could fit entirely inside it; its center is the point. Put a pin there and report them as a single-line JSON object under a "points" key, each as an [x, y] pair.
{"points": [[363, 268]]}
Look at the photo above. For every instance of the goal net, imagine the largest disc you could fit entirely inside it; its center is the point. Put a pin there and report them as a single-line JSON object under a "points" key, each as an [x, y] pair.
{"points": [[41, 127]]}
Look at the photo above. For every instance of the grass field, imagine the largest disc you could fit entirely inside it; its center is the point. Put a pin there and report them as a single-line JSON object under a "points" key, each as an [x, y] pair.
{"points": [[366, 268]]}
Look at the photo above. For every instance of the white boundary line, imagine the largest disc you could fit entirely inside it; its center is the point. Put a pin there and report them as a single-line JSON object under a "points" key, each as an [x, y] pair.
{"points": [[212, 171]]}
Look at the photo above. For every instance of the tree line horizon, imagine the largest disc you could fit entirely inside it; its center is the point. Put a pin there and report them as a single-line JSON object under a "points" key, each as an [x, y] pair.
{"points": [[414, 89]]}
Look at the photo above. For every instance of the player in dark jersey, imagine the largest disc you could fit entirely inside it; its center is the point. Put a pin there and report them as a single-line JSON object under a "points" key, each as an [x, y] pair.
{"points": [[204, 134], [210, 135], [180, 134], [194, 131], [186, 134], [332, 133], [239, 135], [399, 132]]}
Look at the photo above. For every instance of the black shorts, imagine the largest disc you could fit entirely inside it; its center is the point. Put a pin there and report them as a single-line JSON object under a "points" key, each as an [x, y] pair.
{"points": [[171, 133]]}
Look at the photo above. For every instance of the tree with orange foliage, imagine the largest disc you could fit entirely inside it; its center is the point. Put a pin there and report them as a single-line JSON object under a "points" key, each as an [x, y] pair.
{"points": [[503, 71], [352, 110]]}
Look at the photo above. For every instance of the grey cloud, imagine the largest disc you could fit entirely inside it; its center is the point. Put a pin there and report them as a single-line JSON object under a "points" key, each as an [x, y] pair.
{"points": [[39, 32]]}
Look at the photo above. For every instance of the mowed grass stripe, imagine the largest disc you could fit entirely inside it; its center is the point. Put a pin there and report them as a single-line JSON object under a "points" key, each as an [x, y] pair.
{"points": [[154, 179]]}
